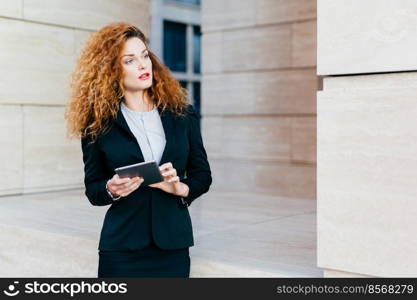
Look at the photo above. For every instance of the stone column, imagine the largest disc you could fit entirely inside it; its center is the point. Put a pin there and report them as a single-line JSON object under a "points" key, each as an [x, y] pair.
{"points": [[367, 141]]}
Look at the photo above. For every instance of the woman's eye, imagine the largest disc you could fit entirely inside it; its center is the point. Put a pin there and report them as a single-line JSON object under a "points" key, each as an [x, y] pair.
{"points": [[146, 55], [128, 61]]}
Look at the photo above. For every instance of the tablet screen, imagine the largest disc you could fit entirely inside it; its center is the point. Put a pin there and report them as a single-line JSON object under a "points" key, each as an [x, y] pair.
{"points": [[148, 170]]}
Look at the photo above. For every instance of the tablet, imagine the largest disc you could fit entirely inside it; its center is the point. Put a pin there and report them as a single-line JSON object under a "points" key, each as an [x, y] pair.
{"points": [[148, 170]]}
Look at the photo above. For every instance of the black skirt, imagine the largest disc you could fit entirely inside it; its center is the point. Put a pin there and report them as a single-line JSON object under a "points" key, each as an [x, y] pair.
{"points": [[148, 262]]}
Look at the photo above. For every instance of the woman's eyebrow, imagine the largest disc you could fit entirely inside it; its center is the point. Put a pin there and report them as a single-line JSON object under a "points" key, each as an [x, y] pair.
{"points": [[133, 54]]}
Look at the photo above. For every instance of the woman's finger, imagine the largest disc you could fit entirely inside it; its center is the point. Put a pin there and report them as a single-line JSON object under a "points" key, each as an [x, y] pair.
{"points": [[133, 181], [118, 180], [174, 179], [126, 188], [126, 191], [171, 172], [127, 183], [165, 166]]}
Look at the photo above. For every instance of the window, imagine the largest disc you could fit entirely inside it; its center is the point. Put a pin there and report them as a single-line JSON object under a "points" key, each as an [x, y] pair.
{"points": [[194, 2], [196, 49], [175, 46], [180, 43]]}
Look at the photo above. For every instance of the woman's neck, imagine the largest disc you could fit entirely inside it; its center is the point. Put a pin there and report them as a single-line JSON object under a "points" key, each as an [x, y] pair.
{"points": [[138, 101]]}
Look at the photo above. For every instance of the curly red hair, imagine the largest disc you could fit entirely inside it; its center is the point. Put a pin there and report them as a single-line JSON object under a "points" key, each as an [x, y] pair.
{"points": [[97, 82]]}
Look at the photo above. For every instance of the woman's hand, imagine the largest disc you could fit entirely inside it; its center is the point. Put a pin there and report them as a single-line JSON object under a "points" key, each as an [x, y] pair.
{"points": [[123, 186], [171, 183]]}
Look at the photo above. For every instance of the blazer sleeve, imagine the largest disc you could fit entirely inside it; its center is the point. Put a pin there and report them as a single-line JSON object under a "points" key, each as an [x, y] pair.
{"points": [[198, 168], [95, 178]]}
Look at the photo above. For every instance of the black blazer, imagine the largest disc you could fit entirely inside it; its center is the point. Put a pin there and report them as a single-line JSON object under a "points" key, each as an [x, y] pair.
{"points": [[128, 223]]}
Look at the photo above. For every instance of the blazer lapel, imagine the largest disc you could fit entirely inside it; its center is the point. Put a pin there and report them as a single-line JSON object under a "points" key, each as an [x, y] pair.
{"points": [[121, 121], [169, 130]]}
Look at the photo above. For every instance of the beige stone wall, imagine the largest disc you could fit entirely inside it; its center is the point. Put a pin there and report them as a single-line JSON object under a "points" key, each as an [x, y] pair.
{"points": [[40, 41], [259, 95], [367, 142], [366, 36]]}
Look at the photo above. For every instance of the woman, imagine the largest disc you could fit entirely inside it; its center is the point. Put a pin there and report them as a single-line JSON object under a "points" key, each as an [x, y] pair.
{"points": [[127, 108]]}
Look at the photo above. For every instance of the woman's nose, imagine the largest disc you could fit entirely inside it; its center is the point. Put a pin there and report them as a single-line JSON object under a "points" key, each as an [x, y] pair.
{"points": [[141, 65]]}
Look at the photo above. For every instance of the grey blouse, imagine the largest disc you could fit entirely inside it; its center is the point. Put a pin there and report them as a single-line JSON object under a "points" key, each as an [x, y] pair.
{"points": [[148, 130]]}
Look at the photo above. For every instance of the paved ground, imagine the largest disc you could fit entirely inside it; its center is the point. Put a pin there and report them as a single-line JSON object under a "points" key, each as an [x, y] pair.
{"points": [[235, 235]]}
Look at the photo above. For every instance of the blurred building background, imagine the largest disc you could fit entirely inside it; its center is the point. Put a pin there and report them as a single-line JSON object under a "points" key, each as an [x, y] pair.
{"points": [[250, 69], [40, 42], [258, 95]]}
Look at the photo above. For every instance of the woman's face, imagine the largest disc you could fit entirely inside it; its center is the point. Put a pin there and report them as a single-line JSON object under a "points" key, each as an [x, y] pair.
{"points": [[136, 62]]}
